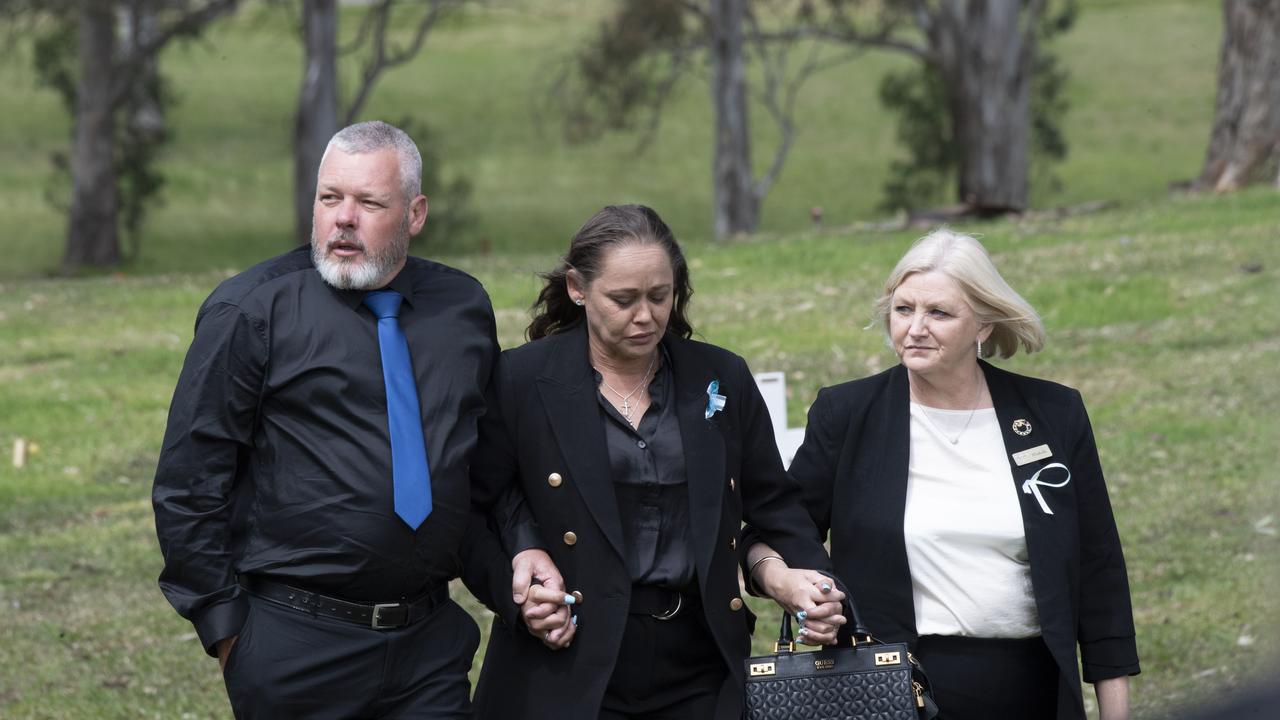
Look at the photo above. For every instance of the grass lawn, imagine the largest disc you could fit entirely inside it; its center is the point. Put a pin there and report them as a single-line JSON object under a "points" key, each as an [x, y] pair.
{"points": [[1141, 99], [1161, 313]]}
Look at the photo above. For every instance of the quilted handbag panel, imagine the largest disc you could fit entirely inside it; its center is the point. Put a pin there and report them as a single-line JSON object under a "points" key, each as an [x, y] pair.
{"points": [[874, 695]]}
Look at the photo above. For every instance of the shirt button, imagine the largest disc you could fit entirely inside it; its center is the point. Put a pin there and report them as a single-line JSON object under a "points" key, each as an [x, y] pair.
{"points": [[570, 538], [642, 444], [554, 479], [577, 596], [732, 485], [735, 604]]}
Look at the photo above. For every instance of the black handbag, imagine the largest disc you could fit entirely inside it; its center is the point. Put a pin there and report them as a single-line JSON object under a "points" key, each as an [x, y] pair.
{"points": [[858, 679]]}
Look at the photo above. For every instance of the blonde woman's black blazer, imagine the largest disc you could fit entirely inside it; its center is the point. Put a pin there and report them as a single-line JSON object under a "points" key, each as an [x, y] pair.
{"points": [[544, 418], [852, 469]]}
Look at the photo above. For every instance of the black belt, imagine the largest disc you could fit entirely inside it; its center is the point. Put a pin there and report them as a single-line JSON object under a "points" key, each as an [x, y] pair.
{"points": [[379, 616], [660, 603]]}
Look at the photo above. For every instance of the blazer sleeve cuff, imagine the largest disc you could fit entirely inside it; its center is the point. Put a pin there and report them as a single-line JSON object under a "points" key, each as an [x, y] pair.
{"points": [[518, 537], [1109, 658], [219, 622]]}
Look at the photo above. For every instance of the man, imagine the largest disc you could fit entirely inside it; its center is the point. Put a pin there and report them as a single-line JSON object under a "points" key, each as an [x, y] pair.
{"points": [[312, 496]]}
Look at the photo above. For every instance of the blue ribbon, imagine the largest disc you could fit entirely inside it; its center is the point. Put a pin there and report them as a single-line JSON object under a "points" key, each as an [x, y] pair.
{"points": [[715, 401]]}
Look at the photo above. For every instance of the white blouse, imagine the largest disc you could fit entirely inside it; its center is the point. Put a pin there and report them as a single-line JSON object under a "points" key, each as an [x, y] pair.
{"points": [[966, 545]]}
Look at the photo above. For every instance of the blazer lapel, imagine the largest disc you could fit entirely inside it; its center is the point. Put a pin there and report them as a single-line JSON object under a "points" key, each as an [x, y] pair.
{"points": [[1029, 442], [704, 447], [885, 504], [1025, 429], [568, 393]]}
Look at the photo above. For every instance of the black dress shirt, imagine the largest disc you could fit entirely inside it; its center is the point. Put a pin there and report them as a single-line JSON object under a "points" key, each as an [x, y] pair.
{"points": [[277, 458], [647, 467]]}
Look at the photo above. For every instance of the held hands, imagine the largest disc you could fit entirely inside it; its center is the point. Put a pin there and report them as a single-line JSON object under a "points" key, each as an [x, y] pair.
{"points": [[538, 588], [808, 595]]}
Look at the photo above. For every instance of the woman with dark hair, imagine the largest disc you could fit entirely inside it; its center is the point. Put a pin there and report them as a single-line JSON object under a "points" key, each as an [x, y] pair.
{"points": [[638, 453]]}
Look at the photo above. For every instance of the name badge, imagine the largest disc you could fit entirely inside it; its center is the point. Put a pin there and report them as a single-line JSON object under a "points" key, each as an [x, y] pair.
{"points": [[1038, 452]]}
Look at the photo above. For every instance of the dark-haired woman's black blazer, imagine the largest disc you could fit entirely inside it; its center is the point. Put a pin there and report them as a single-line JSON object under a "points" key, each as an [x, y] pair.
{"points": [[852, 469], [544, 418]]}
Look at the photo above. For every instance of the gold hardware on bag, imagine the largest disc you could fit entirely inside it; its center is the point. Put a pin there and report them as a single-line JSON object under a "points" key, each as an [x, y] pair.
{"points": [[824, 664], [758, 669], [918, 689], [888, 658], [790, 647]]}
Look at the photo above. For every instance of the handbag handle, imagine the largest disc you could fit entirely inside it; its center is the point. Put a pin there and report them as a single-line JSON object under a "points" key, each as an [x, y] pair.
{"points": [[859, 628]]}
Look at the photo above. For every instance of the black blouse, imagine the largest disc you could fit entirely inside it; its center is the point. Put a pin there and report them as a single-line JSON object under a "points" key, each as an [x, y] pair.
{"points": [[647, 464]]}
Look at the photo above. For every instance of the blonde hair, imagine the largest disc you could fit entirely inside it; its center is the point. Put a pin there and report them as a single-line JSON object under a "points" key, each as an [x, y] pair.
{"points": [[962, 258]]}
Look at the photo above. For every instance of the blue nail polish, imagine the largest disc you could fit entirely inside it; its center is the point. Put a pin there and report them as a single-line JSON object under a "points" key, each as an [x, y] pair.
{"points": [[804, 631], [575, 620], [802, 615], [569, 599]]}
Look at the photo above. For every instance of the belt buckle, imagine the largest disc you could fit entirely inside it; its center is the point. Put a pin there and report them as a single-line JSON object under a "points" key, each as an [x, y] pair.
{"points": [[376, 621], [668, 614]]}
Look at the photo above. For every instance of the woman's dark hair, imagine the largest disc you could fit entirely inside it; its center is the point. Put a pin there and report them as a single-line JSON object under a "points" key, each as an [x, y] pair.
{"points": [[614, 225]]}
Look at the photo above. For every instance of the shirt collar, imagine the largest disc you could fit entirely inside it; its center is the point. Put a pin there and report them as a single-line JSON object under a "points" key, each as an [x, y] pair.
{"points": [[401, 283]]}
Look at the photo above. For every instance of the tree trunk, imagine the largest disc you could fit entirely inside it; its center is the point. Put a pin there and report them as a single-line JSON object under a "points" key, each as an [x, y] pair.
{"points": [[92, 237], [1246, 123], [737, 207], [317, 117], [138, 28], [986, 56]]}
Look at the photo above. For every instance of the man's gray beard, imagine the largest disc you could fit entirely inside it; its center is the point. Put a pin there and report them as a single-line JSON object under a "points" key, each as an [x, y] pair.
{"points": [[366, 272]]}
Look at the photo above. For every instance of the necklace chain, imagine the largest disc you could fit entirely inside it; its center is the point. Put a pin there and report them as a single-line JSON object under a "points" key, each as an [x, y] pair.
{"points": [[626, 399], [924, 411]]}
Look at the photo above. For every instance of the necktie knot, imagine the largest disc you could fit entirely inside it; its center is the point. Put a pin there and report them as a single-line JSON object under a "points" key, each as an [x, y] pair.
{"points": [[384, 303]]}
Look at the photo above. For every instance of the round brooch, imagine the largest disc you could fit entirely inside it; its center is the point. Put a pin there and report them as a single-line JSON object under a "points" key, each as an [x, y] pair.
{"points": [[1021, 427]]}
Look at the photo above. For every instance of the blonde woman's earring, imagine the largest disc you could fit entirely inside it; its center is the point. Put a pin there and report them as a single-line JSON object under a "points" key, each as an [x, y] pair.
{"points": [[979, 348]]}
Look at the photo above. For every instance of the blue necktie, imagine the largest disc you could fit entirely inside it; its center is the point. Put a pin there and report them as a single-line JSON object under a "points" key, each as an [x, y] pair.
{"points": [[410, 475]]}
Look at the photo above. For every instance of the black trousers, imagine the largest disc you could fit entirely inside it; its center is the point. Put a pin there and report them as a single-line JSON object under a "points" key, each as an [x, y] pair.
{"points": [[984, 679], [666, 669], [289, 664]]}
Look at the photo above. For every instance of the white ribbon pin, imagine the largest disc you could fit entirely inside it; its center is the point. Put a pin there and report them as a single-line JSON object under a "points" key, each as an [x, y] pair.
{"points": [[1031, 486]]}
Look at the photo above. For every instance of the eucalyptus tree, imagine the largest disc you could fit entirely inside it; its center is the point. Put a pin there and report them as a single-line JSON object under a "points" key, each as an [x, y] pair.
{"points": [[1245, 139]]}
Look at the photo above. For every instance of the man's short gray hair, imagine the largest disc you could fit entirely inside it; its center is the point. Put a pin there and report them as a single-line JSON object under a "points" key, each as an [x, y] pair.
{"points": [[375, 135]]}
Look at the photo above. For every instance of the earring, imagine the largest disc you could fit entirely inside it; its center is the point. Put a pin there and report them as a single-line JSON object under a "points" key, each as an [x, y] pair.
{"points": [[578, 302], [979, 348]]}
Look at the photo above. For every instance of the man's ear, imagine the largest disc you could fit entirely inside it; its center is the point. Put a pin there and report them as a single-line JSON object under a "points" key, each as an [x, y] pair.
{"points": [[417, 214]]}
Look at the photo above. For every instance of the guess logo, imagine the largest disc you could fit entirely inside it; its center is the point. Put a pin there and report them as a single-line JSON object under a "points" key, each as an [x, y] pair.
{"points": [[823, 664]]}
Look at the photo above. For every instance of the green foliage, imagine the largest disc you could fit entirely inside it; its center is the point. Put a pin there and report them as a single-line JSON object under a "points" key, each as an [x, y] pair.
{"points": [[138, 144], [450, 214], [621, 74], [918, 98]]}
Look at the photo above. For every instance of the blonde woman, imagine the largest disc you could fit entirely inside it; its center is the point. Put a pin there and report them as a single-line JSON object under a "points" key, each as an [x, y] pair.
{"points": [[966, 505]]}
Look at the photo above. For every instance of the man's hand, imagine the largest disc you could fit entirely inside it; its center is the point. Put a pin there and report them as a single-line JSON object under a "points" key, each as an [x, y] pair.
{"points": [[537, 586], [532, 564], [223, 648]]}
